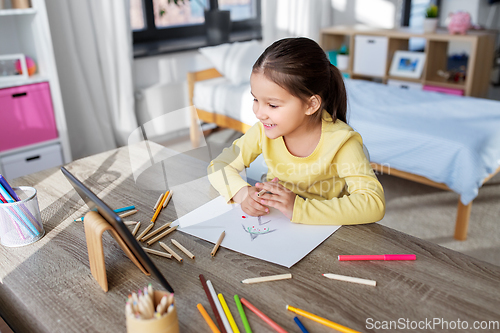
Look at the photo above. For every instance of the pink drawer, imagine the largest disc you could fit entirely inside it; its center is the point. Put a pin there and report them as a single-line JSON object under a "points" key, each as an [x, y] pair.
{"points": [[450, 91], [26, 116]]}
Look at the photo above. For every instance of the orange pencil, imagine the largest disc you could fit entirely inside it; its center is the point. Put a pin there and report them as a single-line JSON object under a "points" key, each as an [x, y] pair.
{"points": [[160, 206], [207, 318]]}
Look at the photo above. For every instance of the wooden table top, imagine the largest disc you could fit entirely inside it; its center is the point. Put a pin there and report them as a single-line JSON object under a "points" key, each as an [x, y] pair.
{"points": [[48, 287]]}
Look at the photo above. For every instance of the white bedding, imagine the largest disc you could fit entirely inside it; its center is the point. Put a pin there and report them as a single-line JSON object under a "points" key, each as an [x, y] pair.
{"points": [[448, 139]]}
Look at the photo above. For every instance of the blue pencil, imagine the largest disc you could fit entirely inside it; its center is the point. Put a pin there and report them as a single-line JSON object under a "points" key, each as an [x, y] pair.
{"points": [[300, 325], [119, 210], [18, 212], [8, 188]]}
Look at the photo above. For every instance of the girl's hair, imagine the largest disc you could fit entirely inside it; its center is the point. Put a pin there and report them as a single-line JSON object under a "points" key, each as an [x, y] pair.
{"points": [[300, 66]]}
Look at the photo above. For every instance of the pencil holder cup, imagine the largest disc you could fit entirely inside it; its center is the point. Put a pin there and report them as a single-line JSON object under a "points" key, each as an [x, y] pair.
{"points": [[20, 221], [168, 323]]}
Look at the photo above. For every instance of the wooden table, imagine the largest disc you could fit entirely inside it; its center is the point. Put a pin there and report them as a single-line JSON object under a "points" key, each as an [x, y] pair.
{"points": [[47, 286]]}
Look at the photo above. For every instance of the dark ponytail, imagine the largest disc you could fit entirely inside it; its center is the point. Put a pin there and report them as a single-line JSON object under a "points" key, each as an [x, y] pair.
{"points": [[300, 66]]}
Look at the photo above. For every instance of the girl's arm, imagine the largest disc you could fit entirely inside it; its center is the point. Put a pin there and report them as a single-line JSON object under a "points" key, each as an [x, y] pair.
{"points": [[364, 203], [223, 171]]}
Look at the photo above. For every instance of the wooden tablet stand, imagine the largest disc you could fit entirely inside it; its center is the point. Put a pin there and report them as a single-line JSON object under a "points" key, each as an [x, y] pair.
{"points": [[95, 226]]}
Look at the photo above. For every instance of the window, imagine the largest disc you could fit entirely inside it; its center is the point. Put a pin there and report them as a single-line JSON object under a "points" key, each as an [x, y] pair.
{"points": [[163, 20], [413, 17]]}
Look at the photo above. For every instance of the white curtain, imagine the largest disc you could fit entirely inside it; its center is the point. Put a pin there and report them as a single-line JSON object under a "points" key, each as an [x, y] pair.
{"points": [[292, 18], [93, 51]]}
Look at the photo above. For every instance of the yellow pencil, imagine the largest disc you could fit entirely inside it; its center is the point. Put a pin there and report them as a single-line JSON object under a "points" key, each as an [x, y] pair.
{"points": [[160, 206], [228, 313], [207, 318], [321, 320]]}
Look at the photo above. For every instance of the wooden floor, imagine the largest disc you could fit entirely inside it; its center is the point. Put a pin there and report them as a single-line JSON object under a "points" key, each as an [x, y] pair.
{"points": [[4, 328]]}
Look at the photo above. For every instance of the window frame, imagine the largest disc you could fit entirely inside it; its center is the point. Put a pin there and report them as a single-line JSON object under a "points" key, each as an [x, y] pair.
{"points": [[152, 34], [405, 17]]}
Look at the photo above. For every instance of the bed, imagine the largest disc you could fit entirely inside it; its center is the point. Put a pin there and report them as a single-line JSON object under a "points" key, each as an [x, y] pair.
{"points": [[445, 141]]}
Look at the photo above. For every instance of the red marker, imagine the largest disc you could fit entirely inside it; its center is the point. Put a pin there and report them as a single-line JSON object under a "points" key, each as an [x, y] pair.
{"points": [[378, 257]]}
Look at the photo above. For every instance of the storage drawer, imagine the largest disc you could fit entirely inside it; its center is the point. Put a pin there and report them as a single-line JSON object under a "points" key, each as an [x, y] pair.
{"points": [[38, 159], [370, 55], [405, 84], [26, 116], [451, 91]]}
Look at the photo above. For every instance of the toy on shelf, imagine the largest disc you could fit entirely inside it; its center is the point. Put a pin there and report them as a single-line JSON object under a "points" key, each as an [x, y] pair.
{"points": [[30, 63], [459, 23]]}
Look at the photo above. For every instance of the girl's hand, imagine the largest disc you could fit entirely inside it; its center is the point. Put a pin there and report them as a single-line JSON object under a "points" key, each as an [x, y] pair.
{"points": [[281, 198], [249, 201]]}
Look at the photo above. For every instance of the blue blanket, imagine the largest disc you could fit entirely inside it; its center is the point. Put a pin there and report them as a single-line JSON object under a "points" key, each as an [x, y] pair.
{"points": [[448, 139]]}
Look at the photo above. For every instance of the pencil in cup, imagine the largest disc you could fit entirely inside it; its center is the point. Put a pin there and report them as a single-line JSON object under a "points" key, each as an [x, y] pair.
{"points": [[167, 323], [20, 221]]}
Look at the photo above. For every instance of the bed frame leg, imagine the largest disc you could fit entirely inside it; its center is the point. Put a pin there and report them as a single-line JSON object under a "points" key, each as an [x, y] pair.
{"points": [[194, 133], [462, 224]]}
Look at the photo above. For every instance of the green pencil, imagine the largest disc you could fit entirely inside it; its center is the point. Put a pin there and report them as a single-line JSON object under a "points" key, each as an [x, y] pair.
{"points": [[242, 314]]}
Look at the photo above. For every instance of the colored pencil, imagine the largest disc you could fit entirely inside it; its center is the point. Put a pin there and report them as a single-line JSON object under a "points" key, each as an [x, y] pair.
{"points": [[344, 257], [9, 188], [119, 210], [300, 325], [228, 313], [137, 226], [169, 196], [158, 209], [158, 202], [152, 233], [182, 248], [221, 237], [158, 253], [243, 316], [212, 304], [130, 222], [267, 278], [172, 252], [207, 318], [163, 234], [16, 226], [132, 212], [262, 316], [150, 226], [261, 192], [350, 279], [219, 307], [17, 211], [321, 320]]}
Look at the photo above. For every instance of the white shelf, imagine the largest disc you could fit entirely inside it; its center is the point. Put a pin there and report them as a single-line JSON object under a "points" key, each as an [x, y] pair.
{"points": [[29, 147], [11, 12], [36, 78]]}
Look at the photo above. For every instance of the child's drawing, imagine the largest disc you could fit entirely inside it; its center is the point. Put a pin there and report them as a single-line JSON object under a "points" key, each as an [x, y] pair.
{"points": [[256, 231]]}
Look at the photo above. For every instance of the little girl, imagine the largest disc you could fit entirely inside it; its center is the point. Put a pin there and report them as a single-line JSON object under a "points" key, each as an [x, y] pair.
{"points": [[317, 170]]}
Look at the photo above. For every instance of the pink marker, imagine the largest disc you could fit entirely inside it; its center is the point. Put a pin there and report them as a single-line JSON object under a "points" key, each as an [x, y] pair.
{"points": [[378, 257]]}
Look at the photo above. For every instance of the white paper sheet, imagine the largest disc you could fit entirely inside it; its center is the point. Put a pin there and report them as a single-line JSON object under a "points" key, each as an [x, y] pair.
{"points": [[271, 237]]}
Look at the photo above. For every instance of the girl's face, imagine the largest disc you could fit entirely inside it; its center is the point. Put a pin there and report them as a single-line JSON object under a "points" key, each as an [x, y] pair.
{"points": [[281, 113]]}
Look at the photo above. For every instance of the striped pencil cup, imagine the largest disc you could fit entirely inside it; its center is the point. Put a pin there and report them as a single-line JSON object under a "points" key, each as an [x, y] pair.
{"points": [[20, 221], [168, 323]]}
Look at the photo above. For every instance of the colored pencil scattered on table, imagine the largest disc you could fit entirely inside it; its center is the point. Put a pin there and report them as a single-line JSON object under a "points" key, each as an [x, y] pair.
{"points": [[219, 307], [137, 226], [207, 318], [243, 316], [119, 210], [212, 303], [221, 237], [229, 316], [300, 325], [172, 252], [163, 234], [154, 232], [169, 196], [268, 278], [158, 202], [350, 279], [158, 209], [182, 248], [130, 222], [145, 231], [321, 320], [158, 253], [262, 316], [132, 212]]}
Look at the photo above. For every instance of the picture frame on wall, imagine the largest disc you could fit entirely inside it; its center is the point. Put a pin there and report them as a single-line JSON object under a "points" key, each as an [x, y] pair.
{"points": [[407, 64], [9, 64]]}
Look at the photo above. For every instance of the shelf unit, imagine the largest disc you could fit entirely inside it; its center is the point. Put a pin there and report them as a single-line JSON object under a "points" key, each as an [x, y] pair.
{"points": [[27, 31], [479, 64]]}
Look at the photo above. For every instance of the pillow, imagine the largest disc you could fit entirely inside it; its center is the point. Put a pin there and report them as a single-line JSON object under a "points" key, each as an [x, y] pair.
{"points": [[235, 60]]}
